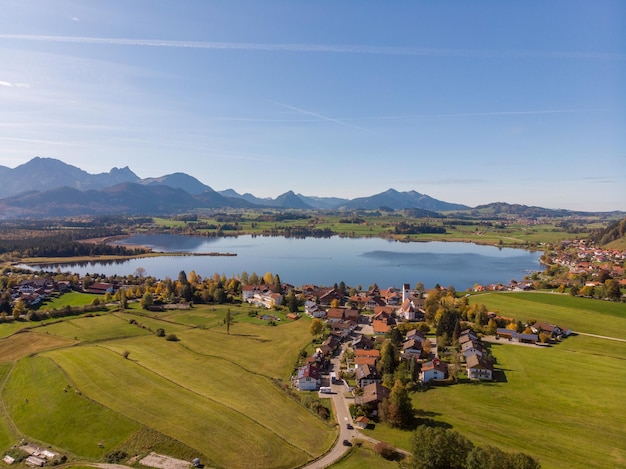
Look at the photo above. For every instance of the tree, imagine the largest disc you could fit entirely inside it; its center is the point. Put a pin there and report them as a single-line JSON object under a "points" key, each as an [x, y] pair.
{"points": [[396, 337], [228, 320], [400, 407], [388, 361], [439, 448], [492, 327], [146, 300], [316, 327], [18, 308]]}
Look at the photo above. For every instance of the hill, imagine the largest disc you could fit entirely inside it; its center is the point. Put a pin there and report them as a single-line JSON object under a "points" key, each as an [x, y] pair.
{"points": [[401, 200], [613, 236]]}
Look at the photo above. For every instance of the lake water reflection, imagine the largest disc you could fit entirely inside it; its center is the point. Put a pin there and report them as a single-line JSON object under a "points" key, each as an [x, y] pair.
{"points": [[325, 261]]}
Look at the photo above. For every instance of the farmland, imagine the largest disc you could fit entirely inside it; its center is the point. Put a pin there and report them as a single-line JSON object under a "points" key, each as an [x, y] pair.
{"points": [[208, 394], [92, 385], [557, 403]]}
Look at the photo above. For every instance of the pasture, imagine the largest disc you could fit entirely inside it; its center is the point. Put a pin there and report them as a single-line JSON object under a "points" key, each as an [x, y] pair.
{"points": [[579, 314], [209, 394], [558, 404]]}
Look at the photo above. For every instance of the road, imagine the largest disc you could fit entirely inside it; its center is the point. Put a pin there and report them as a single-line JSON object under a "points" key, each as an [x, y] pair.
{"points": [[341, 406], [342, 410]]}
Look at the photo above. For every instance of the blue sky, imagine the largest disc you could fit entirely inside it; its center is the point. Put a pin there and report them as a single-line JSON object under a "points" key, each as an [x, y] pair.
{"points": [[468, 102]]}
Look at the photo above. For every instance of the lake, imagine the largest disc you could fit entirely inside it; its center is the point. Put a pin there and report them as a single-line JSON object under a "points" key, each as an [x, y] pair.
{"points": [[325, 261]]}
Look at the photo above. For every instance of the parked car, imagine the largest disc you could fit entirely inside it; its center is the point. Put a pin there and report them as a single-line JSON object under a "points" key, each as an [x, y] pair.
{"points": [[349, 426], [347, 443]]}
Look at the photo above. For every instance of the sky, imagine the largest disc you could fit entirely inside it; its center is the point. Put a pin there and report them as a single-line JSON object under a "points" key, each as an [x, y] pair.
{"points": [[468, 102]]}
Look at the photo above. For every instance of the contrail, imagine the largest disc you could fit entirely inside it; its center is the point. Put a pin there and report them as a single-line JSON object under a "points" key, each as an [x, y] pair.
{"points": [[330, 48], [319, 116]]}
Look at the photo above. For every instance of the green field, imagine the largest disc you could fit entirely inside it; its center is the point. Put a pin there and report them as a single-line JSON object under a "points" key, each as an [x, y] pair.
{"points": [[218, 396], [209, 394], [579, 314], [561, 404]]}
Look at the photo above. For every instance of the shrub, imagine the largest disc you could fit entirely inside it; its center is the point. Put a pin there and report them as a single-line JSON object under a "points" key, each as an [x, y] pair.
{"points": [[171, 338], [115, 456], [160, 332]]}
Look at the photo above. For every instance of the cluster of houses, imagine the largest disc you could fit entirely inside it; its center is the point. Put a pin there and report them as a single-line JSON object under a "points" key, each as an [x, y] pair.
{"points": [[477, 364], [37, 457], [582, 258], [34, 291], [554, 332]]}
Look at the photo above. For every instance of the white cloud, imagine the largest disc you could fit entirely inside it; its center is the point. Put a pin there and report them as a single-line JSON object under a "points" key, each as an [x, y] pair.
{"points": [[6, 83]]}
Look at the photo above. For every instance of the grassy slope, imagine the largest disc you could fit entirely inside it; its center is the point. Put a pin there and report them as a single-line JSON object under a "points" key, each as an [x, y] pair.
{"points": [[171, 408], [97, 328], [26, 343], [213, 377], [40, 408], [579, 314], [558, 402]]}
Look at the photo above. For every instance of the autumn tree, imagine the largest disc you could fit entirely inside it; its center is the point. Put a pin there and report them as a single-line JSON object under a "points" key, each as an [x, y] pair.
{"points": [[316, 327], [19, 308], [146, 300]]}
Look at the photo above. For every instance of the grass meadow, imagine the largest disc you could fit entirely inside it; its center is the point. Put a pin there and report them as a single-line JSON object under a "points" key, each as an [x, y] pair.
{"points": [[218, 396], [562, 404], [209, 394], [579, 314]]}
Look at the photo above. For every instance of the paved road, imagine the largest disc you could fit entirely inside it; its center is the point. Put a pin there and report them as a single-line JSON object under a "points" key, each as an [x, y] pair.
{"points": [[340, 403]]}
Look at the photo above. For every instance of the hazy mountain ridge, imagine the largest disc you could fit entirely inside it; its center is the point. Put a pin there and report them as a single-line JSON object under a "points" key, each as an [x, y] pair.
{"points": [[47, 187]]}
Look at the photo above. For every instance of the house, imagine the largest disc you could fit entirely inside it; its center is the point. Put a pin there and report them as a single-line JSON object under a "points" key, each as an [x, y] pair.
{"points": [[373, 393], [362, 342], [369, 361], [335, 314], [553, 330], [312, 309], [434, 369], [367, 353], [380, 327], [472, 348], [101, 288], [411, 348], [361, 422], [479, 368], [416, 334], [365, 375], [307, 378], [513, 336]]}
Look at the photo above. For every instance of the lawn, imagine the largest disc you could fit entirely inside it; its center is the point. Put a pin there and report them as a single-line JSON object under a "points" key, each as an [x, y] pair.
{"points": [[558, 404], [579, 314], [69, 299]]}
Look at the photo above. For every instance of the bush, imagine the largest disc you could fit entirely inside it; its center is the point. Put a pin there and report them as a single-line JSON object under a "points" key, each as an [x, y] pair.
{"points": [[115, 456], [171, 338], [160, 332], [386, 451]]}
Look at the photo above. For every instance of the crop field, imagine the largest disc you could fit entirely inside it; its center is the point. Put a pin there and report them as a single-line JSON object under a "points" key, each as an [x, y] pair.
{"points": [[209, 394]]}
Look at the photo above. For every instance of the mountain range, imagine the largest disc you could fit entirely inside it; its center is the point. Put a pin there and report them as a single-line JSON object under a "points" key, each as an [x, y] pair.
{"points": [[48, 187]]}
